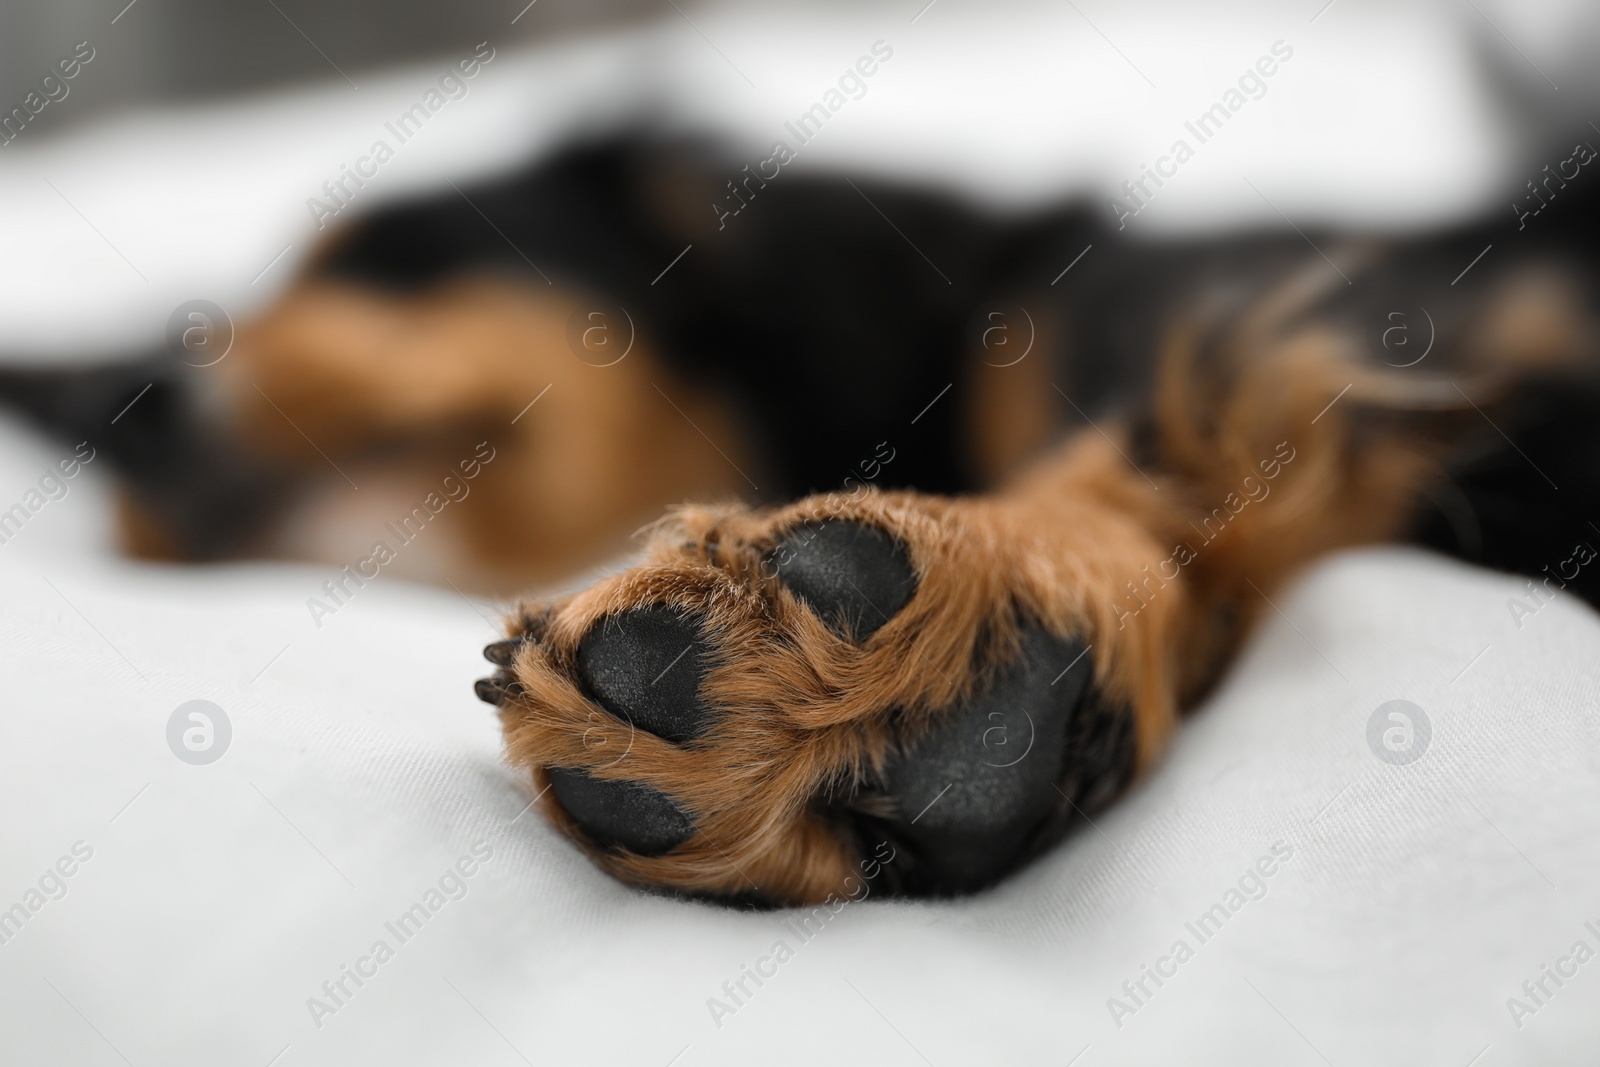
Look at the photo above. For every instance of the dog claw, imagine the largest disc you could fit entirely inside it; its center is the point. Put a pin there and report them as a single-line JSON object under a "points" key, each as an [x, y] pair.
{"points": [[501, 653], [495, 689]]}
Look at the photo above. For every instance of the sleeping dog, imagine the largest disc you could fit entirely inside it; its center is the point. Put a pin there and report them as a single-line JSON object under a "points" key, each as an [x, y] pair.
{"points": [[995, 498]]}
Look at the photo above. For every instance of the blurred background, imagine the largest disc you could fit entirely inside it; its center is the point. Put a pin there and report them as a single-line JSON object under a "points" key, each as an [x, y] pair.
{"points": [[175, 51], [181, 158], [186, 50]]}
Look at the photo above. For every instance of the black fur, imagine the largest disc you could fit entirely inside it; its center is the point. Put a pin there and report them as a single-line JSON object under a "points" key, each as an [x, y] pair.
{"points": [[813, 311]]}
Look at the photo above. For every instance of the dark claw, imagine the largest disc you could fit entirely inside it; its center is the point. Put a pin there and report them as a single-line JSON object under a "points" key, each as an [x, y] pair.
{"points": [[496, 688]]}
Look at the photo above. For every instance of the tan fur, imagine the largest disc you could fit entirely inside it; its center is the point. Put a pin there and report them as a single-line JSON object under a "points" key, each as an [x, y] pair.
{"points": [[1061, 543], [404, 387], [1012, 410]]}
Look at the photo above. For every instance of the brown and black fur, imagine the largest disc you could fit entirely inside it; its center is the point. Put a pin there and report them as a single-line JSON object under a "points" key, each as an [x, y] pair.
{"points": [[1196, 422]]}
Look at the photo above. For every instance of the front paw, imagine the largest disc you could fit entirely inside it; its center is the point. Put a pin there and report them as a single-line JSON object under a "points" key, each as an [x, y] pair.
{"points": [[775, 701]]}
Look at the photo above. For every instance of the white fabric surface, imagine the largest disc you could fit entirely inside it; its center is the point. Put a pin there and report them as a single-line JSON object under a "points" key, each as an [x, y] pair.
{"points": [[219, 898]]}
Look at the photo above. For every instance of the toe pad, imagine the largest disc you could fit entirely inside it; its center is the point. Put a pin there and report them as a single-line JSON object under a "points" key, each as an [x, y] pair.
{"points": [[619, 814], [855, 577], [645, 667]]}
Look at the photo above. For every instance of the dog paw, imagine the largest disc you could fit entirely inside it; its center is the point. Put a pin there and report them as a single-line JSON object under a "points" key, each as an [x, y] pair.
{"points": [[895, 689]]}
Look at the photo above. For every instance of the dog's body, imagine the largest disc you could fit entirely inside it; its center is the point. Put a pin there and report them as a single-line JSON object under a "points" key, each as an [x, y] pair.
{"points": [[973, 635]]}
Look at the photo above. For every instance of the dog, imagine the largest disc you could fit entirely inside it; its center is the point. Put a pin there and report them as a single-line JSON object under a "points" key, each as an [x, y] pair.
{"points": [[997, 497]]}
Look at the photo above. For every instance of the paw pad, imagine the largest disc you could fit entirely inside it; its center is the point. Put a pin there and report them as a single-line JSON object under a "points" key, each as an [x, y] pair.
{"points": [[854, 576], [973, 792], [618, 814], [645, 666]]}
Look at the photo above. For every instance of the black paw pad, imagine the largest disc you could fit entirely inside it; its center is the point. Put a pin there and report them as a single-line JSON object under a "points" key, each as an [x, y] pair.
{"points": [[974, 794], [616, 814], [854, 576], [645, 667]]}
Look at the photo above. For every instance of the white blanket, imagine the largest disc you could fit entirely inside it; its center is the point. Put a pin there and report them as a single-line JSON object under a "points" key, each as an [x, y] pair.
{"points": [[1330, 904]]}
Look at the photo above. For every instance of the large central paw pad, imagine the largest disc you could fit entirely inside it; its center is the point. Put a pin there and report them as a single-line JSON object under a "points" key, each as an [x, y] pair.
{"points": [[973, 792]]}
